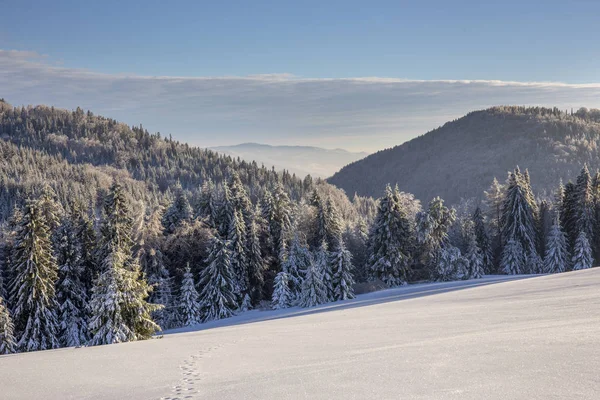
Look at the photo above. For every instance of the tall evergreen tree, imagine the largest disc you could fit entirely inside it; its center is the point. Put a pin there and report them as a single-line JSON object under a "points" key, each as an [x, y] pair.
{"points": [[389, 249], [513, 258], [568, 215], [313, 289], [8, 343], [282, 294], [556, 257], [208, 207], [483, 241], [71, 294], [237, 247], [475, 258], [189, 306], [33, 287], [342, 274], [256, 264], [178, 212], [295, 265], [494, 198], [582, 253], [432, 234], [217, 296]]}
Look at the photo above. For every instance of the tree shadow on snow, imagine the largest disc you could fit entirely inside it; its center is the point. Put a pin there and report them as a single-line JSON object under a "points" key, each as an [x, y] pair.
{"points": [[363, 300]]}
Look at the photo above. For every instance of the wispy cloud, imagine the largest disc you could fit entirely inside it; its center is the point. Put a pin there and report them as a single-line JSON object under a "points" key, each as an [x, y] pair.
{"points": [[357, 113]]}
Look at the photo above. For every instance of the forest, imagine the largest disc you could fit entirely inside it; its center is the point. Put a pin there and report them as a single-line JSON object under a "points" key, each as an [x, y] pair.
{"points": [[111, 234]]}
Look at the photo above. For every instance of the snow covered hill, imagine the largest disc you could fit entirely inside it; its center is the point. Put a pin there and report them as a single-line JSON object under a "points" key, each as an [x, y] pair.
{"points": [[494, 338]]}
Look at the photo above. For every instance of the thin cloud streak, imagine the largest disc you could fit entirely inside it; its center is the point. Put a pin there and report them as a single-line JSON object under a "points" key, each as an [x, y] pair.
{"points": [[354, 113]]}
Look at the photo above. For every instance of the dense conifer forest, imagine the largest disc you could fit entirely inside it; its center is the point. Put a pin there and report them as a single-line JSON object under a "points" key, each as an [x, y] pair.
{"points": [[110, 234]]}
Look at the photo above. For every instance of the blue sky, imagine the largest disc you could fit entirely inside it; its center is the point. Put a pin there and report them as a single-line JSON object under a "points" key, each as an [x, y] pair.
{"points": [[525, 41]]}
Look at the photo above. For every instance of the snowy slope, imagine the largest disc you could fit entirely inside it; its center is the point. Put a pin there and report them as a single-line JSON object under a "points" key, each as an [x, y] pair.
{"points": [[496, 338]]}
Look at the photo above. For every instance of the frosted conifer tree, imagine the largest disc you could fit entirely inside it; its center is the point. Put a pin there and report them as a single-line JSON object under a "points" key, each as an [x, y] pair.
{"points": [[282, 294], [208, 207], [483, 241], [389, 250], [256, 264], [585, 203], [582, 253], [432, 234], [217, 296], [33, 290], [119, 310], [323, 261], [237, 247], [8, 343], [189, 307], [246, 303], [556, 257], [474, 257], [513, 258], [451, 265], [313, 289], [295, 265], [70, 291], [342, 274], [178, 212]]}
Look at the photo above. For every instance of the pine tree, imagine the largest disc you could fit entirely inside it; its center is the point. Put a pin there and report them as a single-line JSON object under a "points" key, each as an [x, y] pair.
{"points": [[494, 198], [237, 247], [582, 253], [313, 289], [474, 258], [342, 274], [568, 215], [208, 208], [451, 265], [33, 287], [179, 212], [256, 264], [189, 306], [585, 203], [119, 310], [513, 258], [282, 294], [556, 257], [389, 250], [483, 241], [246, 303], [432, 234], [296, 264], [8, 343], [71, 294], [217, 296], [83, 228]]}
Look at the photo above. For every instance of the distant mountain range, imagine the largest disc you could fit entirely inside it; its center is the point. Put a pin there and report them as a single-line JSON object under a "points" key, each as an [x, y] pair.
{"points": [[461, 158], [301, 160]]}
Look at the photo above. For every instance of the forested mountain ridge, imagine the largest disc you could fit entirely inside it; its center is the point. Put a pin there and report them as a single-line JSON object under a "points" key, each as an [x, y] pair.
{"points": [[460, 159]]}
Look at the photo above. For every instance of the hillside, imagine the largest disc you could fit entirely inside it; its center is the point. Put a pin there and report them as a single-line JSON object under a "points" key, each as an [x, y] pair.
{"points": [[495, 338], [300, 160], [461, 158]]}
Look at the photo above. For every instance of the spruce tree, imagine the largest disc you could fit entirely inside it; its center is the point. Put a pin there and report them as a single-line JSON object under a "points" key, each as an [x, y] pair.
{"points": [[389, 249], [189, 306], [342, 274], [483, 241], [282, 294], [451, 264], [513, 258], [217, 295], [475, 258], [585, 203], [556, 257], [432, 235], [208, 207], [178, 212], [582, 253], [256, 265], [313, 289], [119, 310], [297, 261], [237, 248], [8, 343], [494, 198], [569, 215], [71, 294], [33, 290], [323, 261]]}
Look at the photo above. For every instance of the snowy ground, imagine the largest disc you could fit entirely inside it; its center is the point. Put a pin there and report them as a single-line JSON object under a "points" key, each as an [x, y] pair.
{"points": [[495, 338]]}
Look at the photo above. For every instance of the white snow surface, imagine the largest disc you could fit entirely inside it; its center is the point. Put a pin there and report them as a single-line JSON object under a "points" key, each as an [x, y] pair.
{"points": [[492, 338]]}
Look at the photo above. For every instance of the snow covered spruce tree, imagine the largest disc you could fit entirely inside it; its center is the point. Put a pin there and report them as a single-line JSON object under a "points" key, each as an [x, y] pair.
{"points": [[341, 261], [585, 203], [556, 257], [513, 258], [277, 211], [314, 291], [33, 292], [178, 212], [8, 343], [189, 306], [119, 310], [322, 259], [237, 247], [70, 290], [217, 295], [432, 236], [390, 242], [295, 265], [483, 241], [208, 207], [451, 264], [255, 262], [519, 225], [283, 297], [474, 258], [582, 253]]}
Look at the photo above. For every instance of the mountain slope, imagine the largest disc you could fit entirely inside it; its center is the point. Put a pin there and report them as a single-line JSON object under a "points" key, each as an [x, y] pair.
{"points": [[494, 338], [460, 159], [300, 160]]}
